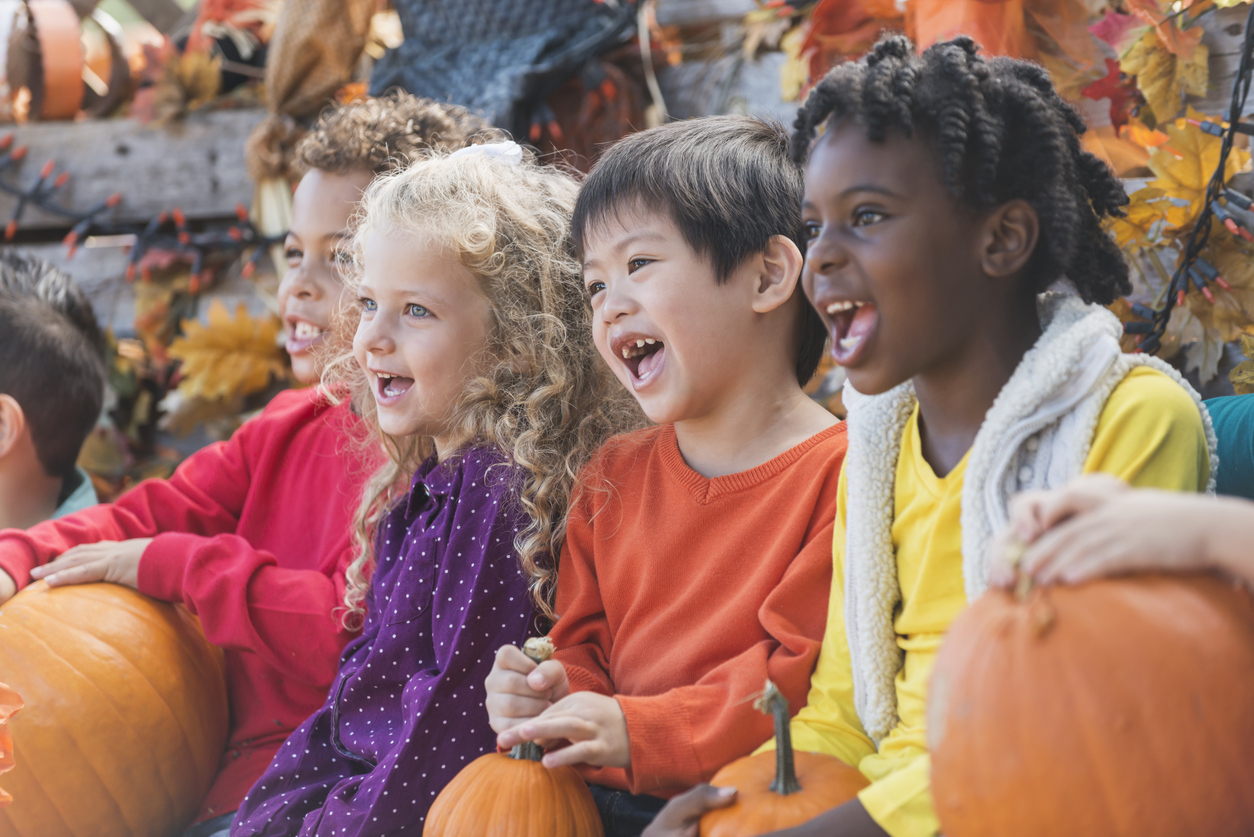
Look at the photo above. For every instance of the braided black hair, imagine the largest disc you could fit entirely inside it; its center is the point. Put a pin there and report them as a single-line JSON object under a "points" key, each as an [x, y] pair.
{"points": [[1002, 133]]}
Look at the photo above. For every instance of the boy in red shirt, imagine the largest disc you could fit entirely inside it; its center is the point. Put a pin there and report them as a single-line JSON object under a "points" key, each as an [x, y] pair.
{"points": [[697, 557], [253, 535]]}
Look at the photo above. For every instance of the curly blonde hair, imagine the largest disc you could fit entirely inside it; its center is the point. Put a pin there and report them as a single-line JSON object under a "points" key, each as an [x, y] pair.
{"points": [[384, 133], [545, 399]]}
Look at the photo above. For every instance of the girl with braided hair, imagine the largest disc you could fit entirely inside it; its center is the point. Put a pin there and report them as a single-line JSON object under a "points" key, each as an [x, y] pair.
{"points": [[944, 195]]}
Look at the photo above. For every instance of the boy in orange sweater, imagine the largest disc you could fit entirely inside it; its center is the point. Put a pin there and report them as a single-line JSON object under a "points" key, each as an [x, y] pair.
{"points": [[697, 557]]}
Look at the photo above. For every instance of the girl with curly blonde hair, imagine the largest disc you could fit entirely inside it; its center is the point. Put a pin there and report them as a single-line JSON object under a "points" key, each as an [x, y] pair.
{"points": [[473, 361]]}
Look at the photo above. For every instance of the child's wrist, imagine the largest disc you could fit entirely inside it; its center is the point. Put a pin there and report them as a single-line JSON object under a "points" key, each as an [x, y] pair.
{"points": [[1226, 527]]}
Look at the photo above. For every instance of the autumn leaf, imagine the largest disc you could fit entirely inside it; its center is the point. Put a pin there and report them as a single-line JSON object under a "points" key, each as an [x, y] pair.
{"points": [[1185, 173], [796, 70], [1242, 375], [1164, 77], [1151, 214], [228, 358]]}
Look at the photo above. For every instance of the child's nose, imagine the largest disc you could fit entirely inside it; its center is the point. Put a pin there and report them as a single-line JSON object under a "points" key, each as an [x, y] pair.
{"points": [[618, 303], [824, 255], [374, 336]]}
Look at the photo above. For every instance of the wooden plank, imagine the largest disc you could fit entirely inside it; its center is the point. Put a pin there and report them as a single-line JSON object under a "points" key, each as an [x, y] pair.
{"points": [[101, 272], [1223, 34], [196, 164], [727, 85], [163, 14], [699, 12]]}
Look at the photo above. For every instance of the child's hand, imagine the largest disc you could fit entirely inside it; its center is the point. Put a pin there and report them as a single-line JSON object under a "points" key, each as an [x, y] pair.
{"points": [[682, 815], [1098, 526], [519, 689], [8, 587], [593, 724], [1033, 513], [114, 561]]}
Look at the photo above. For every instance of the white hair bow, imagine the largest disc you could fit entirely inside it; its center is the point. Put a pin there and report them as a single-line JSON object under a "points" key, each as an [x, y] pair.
{"points": [[507, 152]]}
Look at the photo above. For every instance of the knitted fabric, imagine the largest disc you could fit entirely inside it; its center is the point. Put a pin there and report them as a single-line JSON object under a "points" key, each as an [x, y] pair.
{"points": [[497, 57], [1036, 435]]}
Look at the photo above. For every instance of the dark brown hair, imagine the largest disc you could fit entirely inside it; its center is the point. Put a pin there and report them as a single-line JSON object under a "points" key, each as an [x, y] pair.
{"points": [[384, 133], [728, 184], [52, 357]]}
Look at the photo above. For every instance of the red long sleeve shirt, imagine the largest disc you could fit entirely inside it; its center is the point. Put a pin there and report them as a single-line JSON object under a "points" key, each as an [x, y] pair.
{"points": [[680, 595], [253, 536]]}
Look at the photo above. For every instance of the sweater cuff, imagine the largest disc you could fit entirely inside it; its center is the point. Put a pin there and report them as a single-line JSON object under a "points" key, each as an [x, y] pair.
{"points": [[582, 680], [17, 560], [659, 733], [164, 563]]}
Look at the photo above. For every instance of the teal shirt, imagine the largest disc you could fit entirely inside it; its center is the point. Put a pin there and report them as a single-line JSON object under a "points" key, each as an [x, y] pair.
{"points": [[1233, 417], [82, 496]]}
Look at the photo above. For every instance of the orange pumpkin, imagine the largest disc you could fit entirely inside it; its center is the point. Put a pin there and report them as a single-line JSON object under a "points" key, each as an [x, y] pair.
{"points": [[514, 795], [779, 789], [126, 713], [1116, 707], [10, 703]]}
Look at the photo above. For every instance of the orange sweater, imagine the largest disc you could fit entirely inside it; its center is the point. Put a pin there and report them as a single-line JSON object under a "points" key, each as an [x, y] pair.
{"points": [[680, 595]]}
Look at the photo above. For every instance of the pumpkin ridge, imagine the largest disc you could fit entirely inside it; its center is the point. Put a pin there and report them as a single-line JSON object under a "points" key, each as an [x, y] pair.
{"points": [[123, 721]]}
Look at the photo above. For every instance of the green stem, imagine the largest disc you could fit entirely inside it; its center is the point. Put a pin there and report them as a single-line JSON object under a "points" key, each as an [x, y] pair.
{"points": [[773, 701], [538, 649]]}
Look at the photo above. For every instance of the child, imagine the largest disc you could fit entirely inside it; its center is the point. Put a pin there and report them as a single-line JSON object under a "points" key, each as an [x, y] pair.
{"points": [[48, 332], [254, 535], [473, 345], [703, 571], [945, 194]]}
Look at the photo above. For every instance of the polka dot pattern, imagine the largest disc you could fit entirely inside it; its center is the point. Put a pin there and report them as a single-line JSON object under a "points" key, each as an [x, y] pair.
{"points": [[405, 712]]}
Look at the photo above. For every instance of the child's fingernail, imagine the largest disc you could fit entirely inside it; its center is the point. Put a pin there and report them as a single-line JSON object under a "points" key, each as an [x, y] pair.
{"points": [[725, 792]]}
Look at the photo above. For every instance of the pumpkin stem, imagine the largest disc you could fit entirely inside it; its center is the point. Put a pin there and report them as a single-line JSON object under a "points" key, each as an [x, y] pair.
{"points": [[1014, 555], [539, 648], [774, 702]]}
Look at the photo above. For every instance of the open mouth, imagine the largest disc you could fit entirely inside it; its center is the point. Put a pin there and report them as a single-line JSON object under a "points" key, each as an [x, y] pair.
{"points": [[643, 357], [852, 322], [303, 334], [389, 388]]}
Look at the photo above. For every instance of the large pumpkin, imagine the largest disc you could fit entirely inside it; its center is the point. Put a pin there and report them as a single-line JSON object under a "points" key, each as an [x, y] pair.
{"points": [[126, 713], [1116, 707], [514, 795], [780, 788]]}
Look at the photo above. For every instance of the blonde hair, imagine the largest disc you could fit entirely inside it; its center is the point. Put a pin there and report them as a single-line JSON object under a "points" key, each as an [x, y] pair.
{"points": [[545, 399]]}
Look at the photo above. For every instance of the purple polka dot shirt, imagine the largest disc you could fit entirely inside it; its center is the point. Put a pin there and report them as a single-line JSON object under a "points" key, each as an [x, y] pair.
{"points": [[405, 712]]}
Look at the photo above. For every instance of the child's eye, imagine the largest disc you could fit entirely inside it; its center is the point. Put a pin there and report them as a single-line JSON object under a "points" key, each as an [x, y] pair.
{"points": [[413, 309], [636, 264], [812, 230], [867, 217], [367, 304], [595, 288]]}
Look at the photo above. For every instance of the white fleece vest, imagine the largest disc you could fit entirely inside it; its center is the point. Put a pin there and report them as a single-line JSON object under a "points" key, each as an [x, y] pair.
{"points": [[1036, 435]]}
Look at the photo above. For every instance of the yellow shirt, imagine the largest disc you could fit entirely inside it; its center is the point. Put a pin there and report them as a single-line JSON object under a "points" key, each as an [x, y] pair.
{"points": [[1150, 434]]}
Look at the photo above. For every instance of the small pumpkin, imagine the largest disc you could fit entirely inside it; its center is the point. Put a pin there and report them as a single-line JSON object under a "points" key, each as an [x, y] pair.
{"points": [[126, 713], [1116, 707], [514, 795], [779, 789]]}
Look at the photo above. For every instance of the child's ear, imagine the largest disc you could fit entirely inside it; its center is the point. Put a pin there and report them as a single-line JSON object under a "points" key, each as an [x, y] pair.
{"points": [[779, 271], [12, 424], [1011, 233]]}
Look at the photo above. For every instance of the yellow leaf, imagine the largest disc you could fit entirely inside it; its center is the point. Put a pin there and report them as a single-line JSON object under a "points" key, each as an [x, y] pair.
{"points": [[1185, 164], [1163, 77], [1151, 215], [228, 358], [796, 70], [1242, 377]]}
